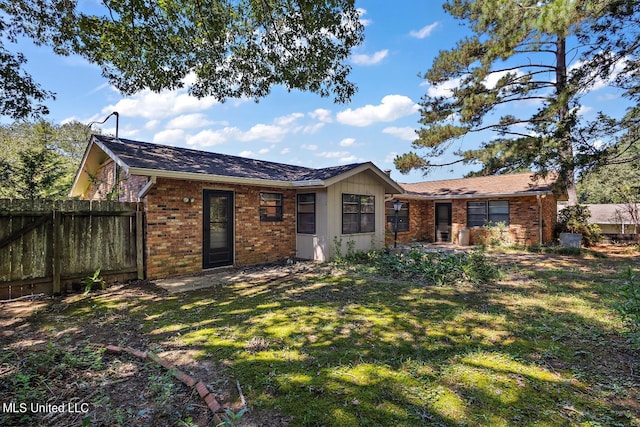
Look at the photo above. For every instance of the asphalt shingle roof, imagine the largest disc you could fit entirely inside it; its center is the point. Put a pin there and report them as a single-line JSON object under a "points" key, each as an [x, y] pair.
{"points": [[484, 185], [144, 155]]}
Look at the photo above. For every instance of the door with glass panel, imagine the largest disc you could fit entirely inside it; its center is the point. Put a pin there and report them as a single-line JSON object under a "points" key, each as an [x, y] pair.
{"points": [[217, 229], [443, 222]]}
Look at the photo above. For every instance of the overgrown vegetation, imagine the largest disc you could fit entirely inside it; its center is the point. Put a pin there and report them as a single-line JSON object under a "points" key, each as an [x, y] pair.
{"points": [[629, 307], [543, 345], [428, 268], [575, 219]]}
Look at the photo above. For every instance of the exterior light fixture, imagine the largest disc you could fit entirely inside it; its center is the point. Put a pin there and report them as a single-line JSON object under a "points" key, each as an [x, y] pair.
{"points": [[397, 205]]}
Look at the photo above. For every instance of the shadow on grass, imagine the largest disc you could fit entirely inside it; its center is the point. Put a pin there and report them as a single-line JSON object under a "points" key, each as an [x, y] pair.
{"points": [[336, 350]]}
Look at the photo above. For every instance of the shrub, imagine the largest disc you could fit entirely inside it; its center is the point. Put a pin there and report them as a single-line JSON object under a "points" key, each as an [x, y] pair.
{"points": [[496, 234], [575, 219], [430, 268], [629, 307]]}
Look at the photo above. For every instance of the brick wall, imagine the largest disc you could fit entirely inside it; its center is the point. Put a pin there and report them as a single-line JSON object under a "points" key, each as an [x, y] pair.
{"points": [[174, 228], [523, 217], [421, 220], [102, 184]]}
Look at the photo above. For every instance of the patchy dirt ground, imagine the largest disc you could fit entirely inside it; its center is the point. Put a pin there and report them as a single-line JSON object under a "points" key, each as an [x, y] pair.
{"points": [[50, 358]]}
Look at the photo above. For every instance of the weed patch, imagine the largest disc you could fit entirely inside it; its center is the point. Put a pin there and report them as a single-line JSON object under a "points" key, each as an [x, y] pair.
{"points": [[429, 268]]}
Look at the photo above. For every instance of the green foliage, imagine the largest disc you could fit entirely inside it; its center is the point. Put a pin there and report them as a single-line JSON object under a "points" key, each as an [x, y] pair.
{"points": [[231, 418], [430, 268], [232, 48], [28, 383], [39, 160], [518, 53], [575, 219], [339, 256], [496, 235], [94, 281], [629, 307]]}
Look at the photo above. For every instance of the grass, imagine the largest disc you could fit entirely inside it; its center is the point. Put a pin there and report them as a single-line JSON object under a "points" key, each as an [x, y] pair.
{"points": [[541, 347]]}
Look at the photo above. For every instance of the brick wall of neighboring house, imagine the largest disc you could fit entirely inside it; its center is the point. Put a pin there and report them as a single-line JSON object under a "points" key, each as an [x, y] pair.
{"points": [[421, 219], [524, 221], [174, 227], [102, 184], [523, 217], [549, 218]]}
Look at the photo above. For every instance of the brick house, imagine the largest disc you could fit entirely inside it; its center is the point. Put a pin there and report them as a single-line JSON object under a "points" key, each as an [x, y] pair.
{"points": [[435, 211], [205, 210]]}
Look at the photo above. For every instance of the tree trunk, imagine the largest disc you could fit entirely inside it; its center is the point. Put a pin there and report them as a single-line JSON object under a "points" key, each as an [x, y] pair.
{"points": [[567, 173]]}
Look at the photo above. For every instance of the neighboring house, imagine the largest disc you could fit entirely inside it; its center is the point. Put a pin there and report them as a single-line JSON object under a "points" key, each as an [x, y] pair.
{"points": [[205, 210], [614, 219], [436, 211]]}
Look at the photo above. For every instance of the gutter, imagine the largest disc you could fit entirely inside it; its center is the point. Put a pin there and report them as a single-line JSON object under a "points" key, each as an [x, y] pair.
{"points": [[415, 196]]}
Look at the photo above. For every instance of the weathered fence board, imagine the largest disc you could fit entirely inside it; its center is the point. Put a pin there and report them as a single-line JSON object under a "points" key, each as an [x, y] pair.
{"points": [[47, 246]]}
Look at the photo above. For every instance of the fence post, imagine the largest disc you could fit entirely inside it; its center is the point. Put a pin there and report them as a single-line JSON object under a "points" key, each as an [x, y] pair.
{"points": [[139, 243], [56, 251]]}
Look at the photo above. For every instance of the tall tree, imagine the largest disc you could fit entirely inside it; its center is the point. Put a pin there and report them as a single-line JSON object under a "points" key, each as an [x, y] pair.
{"points": [[225, 48], [537, 54], [39, 160]]}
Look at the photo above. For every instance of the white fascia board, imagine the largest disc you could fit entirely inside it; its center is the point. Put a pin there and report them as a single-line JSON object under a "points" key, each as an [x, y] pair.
{"points": [[310, 183], [469, 196]]}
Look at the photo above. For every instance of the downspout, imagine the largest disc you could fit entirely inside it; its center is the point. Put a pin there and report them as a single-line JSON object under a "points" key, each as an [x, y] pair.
{"points": [[147, 187], [539, 219]]}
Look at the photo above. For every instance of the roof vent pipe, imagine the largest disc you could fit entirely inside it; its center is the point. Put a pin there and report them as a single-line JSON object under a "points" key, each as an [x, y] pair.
{"points": [[115, 113]]}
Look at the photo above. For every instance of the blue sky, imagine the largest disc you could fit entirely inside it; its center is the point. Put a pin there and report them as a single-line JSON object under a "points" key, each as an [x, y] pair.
{"points": [[289, 127]]}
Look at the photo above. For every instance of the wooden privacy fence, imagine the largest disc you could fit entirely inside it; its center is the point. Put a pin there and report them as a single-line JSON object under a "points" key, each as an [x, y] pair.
{"points": [[50, 246]]}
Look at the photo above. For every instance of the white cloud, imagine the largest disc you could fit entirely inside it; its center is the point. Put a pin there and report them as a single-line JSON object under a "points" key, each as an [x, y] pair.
{"points": [[424, 31], [264, 150], [321, 114], [245, 153], [313, 128], [333, 154], [339, 156], [152, 105], [406, 133], [170, 137], [189, 121], [151, 124], [264, 132], [284, 151], [390, 157], [207, 138], [444, 89], [391, 107], [363, 59], [310, 147], [288, 119], [347, 142], [492, 79], [361, 13]]}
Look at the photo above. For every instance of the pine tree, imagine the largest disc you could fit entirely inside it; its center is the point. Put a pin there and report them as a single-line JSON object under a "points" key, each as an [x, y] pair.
{"points": [[530, 53]]}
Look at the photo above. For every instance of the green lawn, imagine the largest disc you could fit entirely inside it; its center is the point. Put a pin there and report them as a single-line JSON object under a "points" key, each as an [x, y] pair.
{"points": [[542, 347]]}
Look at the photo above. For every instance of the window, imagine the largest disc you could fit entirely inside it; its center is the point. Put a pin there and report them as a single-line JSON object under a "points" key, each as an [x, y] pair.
{"points": [[358, 214], [403, 216], [492, 211], [307, 213], [270, 207]]}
